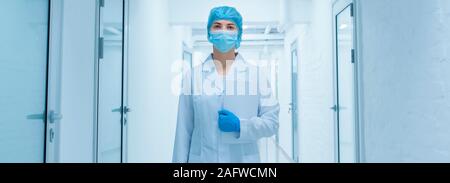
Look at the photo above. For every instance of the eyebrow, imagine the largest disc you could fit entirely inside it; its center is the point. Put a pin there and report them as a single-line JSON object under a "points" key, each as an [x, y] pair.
{"points": [[218, 23]]}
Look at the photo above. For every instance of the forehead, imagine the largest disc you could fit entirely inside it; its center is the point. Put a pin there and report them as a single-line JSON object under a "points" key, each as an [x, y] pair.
{"points": [[224, 22]]}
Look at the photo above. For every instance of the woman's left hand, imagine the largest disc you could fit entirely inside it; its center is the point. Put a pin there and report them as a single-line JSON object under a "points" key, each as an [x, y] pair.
{"points": [[229, 122]]}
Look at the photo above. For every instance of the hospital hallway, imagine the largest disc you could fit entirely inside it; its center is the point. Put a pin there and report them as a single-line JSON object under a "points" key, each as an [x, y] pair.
{"points": [[98, 81]]}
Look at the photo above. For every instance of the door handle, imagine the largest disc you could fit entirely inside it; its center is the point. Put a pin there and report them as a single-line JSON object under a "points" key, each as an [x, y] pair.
{"points": [[54, 116], [125, 110], [291, 108], [117, 110], [36, 116], [337, 108], [334, 108]]}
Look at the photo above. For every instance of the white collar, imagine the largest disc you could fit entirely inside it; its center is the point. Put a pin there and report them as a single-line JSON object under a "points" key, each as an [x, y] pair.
{"points": [[208, 65]]}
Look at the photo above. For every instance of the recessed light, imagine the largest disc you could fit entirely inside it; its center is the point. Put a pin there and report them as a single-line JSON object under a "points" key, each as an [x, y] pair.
{"points": [[343, 26]]}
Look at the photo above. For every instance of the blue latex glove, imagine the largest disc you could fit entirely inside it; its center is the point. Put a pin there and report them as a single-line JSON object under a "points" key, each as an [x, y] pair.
{"points": [[228, 122]]}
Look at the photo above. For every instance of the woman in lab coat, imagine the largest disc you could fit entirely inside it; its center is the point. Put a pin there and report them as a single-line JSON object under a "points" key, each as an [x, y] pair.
{"points": [[227, 104]]}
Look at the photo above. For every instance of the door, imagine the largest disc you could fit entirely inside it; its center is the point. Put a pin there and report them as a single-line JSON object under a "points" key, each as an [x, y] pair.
{"points": [[111, 71], [345, 80], [187, 56], [23, 78], [294, 102]]}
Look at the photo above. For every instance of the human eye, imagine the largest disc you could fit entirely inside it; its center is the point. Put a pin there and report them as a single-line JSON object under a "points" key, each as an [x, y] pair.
{"points": [[231, 27], [217, 27]]}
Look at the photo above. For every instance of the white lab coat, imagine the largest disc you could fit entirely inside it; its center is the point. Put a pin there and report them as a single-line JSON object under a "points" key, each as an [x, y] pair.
{"points": [[198, 137]]}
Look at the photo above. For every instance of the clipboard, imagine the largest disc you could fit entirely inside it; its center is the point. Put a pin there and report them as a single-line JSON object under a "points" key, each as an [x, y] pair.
{"points": [[243, 106]]}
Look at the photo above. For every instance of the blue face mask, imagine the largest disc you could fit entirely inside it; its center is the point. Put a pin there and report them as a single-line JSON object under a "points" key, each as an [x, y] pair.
{"points": [[223, 41]]}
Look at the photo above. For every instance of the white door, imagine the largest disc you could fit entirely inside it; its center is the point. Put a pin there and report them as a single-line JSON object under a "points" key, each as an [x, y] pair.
{"points": [[111, 70], [345, 80], [23, 78]]}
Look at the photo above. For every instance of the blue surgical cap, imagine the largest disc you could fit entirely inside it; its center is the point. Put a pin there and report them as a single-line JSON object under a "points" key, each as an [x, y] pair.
{"points": [[226, 13]]}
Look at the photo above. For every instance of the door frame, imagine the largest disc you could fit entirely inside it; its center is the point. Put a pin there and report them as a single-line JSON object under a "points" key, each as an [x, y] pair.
{"points": [[187, 50], [294, 104], [96, 79], [339, 6], [125, 52], [53, 93]]}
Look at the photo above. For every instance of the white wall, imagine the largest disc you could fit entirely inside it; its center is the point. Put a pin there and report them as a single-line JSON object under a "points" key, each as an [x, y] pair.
{"points": [[315, 85], [299, 11], [77, 90], [405, 80]]}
